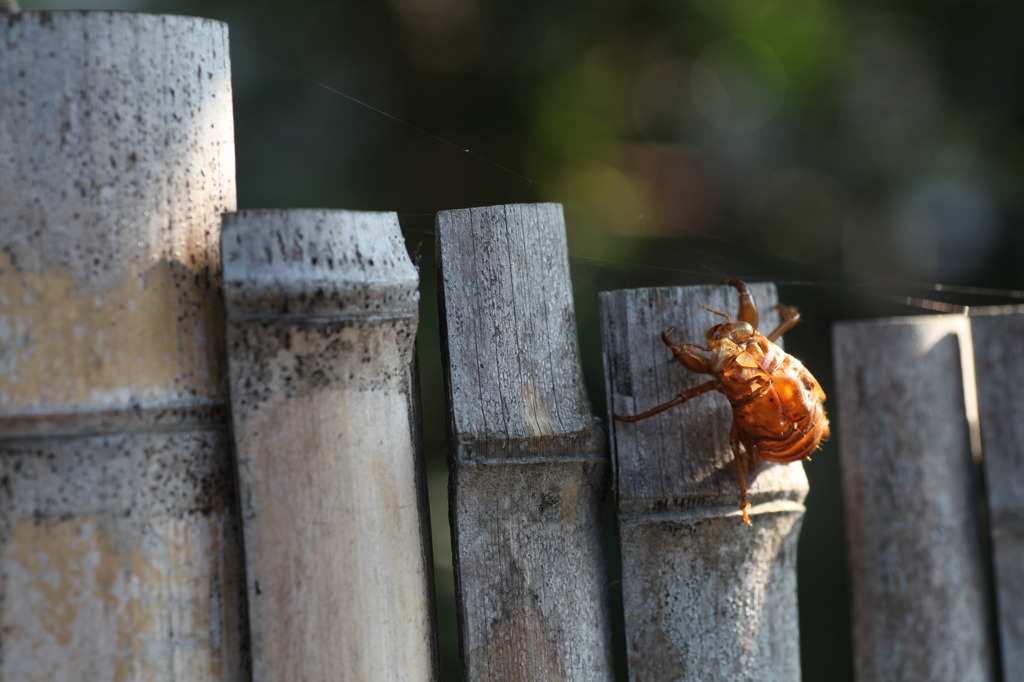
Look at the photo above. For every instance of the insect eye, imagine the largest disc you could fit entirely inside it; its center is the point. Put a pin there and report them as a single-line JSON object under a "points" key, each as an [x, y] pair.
{"points": [[741, 331]]}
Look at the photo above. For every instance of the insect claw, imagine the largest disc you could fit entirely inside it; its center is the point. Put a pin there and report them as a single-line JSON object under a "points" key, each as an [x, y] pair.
{"points": [[746, 517]]}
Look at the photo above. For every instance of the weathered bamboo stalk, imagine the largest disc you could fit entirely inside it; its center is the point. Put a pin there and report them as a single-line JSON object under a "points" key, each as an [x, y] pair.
{"points": [[322, 314], [528, 462], [999, 372], [917, 574], [119, 540], [704, 596]]}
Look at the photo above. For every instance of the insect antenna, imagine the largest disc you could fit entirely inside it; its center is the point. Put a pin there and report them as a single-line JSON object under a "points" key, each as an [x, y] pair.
{"points": [[712, 310]]}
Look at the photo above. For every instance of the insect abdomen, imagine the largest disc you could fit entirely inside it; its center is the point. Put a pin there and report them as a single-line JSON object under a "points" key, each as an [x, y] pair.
{"points": [[802, 402]]}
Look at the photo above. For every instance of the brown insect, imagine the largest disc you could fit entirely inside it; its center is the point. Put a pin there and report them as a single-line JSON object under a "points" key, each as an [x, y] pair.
{"points": [[777, 405]]}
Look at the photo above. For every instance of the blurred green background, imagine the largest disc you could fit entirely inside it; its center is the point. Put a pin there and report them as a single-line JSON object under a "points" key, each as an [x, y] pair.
{"points": [[857, 153]]}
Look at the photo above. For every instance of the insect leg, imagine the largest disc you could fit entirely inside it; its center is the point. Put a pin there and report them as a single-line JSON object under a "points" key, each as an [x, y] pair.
{"points": [[681, 398], [790, 316], [748, 311], [743, 458], [686, 353]]}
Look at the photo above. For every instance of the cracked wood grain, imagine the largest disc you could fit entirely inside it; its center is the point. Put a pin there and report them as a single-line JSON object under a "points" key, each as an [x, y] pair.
{"points": [[999, 370], [528, 462], [918, 583]]}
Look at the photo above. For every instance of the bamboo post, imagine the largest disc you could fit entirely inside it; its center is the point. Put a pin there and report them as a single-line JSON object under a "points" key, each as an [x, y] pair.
{"points": [[322, 315], [705, 597], [528, 464], [999, 370], [918, 581], [119, 546]]}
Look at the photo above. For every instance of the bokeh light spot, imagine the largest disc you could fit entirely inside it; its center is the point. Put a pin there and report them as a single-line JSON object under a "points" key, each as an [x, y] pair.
{"points": [[947, 228], [738, 83]]}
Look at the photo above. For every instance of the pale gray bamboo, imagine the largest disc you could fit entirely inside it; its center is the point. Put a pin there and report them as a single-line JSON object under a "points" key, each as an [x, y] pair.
{"points": [[999, 372], [705, 597], [528, 462], [917, 573], [322, 315], [119, 543]]}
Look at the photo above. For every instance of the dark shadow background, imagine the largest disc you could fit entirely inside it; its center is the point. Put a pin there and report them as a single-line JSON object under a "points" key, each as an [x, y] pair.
{"points": [[857, 153]]}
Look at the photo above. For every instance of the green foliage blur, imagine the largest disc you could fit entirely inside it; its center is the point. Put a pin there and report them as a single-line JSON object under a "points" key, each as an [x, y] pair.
{"points": [[857, 153]]}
